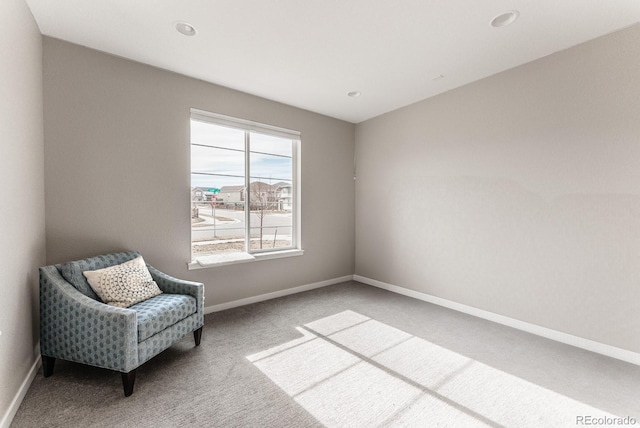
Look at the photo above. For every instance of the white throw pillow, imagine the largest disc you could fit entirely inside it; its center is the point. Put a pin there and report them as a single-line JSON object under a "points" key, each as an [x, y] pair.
{"points": [[123, 285]]}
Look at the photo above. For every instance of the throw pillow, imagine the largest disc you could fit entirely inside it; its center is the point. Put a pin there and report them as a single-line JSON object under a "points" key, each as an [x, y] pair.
{"points": [[123, 285]]}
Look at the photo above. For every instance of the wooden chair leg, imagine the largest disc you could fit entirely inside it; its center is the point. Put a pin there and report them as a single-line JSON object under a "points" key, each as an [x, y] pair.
{"points": [[128, 379], [47, 365], [197, 335]]}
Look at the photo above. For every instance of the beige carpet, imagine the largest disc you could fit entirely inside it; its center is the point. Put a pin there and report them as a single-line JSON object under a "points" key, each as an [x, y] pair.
{"points": [[349, 370], [346, 355]]}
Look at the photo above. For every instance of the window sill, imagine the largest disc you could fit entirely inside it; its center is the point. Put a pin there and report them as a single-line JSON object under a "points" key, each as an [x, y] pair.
{"points": [[236, 258]]}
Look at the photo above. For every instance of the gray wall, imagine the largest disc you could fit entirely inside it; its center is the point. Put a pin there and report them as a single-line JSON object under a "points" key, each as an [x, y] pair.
{"points": [[22, 242], [117, 171], [518, 194]]}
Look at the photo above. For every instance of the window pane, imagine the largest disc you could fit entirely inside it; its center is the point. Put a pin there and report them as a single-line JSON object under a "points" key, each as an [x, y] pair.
{"points": [[221, 203], [271, 192], [209, 134], [270, 169], [269, 144], [217, 189], [271, 237]]}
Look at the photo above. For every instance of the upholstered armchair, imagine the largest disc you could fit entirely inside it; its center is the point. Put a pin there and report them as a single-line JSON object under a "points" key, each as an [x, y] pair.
{"points": [[75, 325]]}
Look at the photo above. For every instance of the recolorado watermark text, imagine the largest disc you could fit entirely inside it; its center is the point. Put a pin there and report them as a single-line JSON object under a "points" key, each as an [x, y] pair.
{"points": [[607, 421]]}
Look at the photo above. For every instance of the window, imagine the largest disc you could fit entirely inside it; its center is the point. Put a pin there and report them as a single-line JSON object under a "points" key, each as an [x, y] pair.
{"points": [[244, 190]]}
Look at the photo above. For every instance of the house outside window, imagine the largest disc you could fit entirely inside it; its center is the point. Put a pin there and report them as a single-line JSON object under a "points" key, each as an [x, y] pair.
{"points": [[244, 190]]}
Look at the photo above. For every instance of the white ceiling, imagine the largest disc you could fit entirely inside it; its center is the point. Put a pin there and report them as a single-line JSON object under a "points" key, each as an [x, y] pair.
{"points": [[311, 53]]}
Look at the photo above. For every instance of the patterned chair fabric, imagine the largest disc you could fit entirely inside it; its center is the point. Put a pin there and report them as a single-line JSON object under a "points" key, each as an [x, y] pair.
{"points": [[76, 326], [72, 271], [159, 312]]}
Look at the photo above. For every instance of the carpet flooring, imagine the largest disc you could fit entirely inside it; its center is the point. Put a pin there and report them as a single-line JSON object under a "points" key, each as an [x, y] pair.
{"points": [[347, 355]]}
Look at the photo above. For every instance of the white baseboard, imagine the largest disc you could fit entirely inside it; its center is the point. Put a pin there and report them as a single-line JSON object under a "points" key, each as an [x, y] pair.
{"points": [[579, 342], [275, 294], [22, 391]]}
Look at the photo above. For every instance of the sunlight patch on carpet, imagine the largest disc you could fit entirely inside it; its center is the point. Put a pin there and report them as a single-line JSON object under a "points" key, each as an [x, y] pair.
{"points": [[350, 370]]}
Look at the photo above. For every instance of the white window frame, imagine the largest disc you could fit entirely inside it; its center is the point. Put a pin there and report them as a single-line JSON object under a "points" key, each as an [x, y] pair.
{"points": [[245, 256]]}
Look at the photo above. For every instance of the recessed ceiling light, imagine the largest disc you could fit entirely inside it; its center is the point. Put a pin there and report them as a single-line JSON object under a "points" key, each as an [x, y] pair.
{"points": [[505, 19], [186, 28], [354, 94]]}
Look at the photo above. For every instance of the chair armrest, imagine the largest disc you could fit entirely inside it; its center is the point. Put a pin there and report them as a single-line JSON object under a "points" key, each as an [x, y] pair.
{"points": [[77, 328], [171, 285]]}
